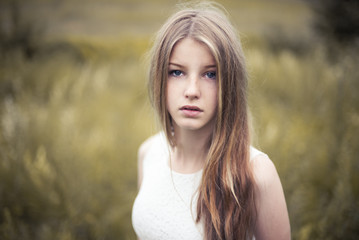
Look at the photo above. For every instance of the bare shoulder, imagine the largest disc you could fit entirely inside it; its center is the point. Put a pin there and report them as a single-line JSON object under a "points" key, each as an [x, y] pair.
{"points": [[142, 152], [272, 214], [144, 147], [264, 170]]}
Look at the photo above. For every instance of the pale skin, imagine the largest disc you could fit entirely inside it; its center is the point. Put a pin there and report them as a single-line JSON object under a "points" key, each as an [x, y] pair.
{"points": [[192, 82]]}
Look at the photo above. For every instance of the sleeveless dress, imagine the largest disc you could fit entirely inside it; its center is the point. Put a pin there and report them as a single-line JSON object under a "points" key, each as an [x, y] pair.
{"points": [[165, 207]]}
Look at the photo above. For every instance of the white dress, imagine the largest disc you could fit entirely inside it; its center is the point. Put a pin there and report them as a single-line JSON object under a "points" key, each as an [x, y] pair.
{"points": [[165, 207]]}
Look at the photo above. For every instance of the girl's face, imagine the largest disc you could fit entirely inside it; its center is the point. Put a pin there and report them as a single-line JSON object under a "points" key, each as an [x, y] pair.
{"points": [[192, 86]]}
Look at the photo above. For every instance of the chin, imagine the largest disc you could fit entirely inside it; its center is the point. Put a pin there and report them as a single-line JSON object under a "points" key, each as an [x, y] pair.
{"points": [[188, 127], [191, 126]]}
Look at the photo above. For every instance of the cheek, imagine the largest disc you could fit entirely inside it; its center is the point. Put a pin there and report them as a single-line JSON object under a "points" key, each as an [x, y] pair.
{"points": [[169, 94], [169, 87], [173, 88]]}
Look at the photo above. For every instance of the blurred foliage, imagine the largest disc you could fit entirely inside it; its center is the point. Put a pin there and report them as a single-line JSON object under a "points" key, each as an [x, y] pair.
{"points": [[306, 114], [337, 21], [14, 33], [74, 111]]}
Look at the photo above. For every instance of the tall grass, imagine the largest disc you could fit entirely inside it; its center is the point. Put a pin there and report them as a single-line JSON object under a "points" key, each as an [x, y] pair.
{"points": [[69, 137], [73, 115], [306, 113]]}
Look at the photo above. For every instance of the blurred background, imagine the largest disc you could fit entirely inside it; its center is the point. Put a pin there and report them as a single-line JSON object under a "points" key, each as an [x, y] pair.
{"points": [[74, 110]]}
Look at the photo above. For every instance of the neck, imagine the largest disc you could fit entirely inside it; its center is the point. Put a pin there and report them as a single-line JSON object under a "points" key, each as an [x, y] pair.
{"points": [[191, 150]]}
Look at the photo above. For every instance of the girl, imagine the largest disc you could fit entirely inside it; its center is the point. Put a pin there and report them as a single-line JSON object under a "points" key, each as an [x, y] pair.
{"points": [[199, 178]]}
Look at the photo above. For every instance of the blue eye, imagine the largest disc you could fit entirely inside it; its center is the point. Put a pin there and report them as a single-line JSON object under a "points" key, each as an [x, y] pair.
{"points": [[211, 75], [176, 73]]}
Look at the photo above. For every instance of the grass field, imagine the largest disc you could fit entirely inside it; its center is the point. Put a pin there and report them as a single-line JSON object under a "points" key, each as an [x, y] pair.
{"points": [[74, 109]]}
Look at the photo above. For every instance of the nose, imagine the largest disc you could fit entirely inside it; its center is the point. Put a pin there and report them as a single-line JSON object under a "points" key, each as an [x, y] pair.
{"points": [[192, 90]]}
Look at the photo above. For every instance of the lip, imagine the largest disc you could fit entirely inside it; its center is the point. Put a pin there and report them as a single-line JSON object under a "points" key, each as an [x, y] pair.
{"points": [[190, 110]]}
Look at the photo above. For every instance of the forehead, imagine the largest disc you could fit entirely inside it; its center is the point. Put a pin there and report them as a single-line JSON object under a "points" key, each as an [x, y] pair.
{"points": [[189, 51]]}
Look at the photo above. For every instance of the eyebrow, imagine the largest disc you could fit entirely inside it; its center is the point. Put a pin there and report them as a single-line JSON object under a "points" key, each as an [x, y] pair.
{"points": [[179, 65]]}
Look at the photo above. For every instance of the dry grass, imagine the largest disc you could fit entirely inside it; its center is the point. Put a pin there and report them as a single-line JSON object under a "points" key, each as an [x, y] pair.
{"points": [[73, 116]]}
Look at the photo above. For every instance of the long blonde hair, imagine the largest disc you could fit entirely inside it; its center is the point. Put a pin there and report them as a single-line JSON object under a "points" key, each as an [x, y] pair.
{"points": [[226, 203]]}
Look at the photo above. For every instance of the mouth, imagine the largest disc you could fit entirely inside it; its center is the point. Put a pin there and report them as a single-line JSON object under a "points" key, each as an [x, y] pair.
{"points": [[191, 108]]}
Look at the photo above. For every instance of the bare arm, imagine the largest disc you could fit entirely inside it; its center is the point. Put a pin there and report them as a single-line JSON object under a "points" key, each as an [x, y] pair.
{"points": [[272, 219], [142, 151]]}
